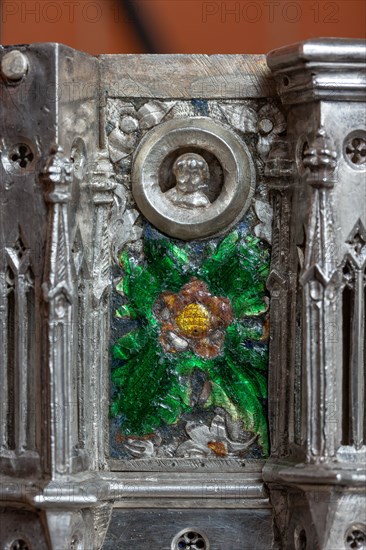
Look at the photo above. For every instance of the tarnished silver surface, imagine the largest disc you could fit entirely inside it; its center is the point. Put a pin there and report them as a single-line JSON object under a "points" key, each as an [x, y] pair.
{"points": [[221, 77], [72, 127], [234, 529], [316, 475], [14, 65]]}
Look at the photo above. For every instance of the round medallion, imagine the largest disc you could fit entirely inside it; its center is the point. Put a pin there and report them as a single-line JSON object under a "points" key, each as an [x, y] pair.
{"points": [[192, 178]]}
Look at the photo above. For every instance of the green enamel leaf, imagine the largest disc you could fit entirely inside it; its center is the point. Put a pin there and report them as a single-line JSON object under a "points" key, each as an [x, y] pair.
{"points": [[219, 398], [186, 363], [227, 247], [248, 287], [130, 344], [179, 255], [142, 288], [125, 310], [239, 269], [175, 402], [244, 389], [148, 392], [120, 286], [167, 263], [124, 261], [254, 357], [220, 268], [238, 332], [249, 306], [114, 408]]}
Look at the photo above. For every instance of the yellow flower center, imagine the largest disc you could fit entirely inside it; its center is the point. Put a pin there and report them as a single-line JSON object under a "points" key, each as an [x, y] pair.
{"points": [[194, 320]]}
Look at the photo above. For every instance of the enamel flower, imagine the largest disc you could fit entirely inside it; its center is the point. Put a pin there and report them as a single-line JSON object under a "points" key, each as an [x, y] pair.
{"points": [[207, 441], [193, 320]]}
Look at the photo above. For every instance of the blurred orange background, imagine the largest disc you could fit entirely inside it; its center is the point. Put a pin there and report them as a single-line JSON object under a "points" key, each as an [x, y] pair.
{"points": [[178, 26]]}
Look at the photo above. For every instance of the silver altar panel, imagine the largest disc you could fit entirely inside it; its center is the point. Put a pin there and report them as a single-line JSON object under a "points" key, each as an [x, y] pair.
{"points": [[82, 140]]}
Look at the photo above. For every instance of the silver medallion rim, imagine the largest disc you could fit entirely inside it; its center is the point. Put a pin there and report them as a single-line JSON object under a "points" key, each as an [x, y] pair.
{"points": [[198, 133]]}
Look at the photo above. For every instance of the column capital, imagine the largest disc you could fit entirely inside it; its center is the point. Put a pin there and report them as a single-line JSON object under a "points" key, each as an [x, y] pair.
{"points": [[325, 68], [57, 173]]}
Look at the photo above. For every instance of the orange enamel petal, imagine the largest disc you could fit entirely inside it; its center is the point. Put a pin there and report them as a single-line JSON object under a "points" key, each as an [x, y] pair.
{"points": [[218, 447], [222, 311], [204, 348], [194, 289]]}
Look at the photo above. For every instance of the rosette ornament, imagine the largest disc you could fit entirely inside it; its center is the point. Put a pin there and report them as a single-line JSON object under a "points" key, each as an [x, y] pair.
{"points": [[193, 320], [191, 314]]}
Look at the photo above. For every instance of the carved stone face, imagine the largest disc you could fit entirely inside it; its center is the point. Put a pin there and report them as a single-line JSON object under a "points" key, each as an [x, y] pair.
{"points": [[191, 172]]}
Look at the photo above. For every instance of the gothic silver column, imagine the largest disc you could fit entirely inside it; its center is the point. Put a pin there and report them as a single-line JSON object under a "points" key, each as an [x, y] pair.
{"points": [[317, 482], [50, 228]]}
